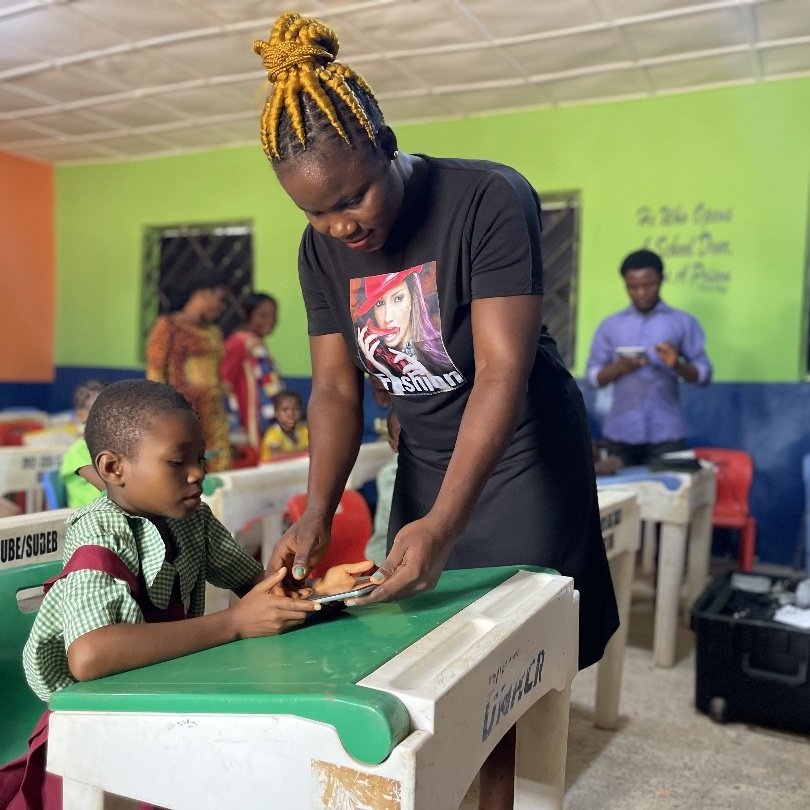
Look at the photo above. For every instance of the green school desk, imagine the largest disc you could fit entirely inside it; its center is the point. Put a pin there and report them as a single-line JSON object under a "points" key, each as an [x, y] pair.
{"points": [[387, 707]]}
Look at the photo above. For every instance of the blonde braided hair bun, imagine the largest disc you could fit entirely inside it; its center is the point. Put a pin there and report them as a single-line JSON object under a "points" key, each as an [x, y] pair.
{"points": [[299, 58]]}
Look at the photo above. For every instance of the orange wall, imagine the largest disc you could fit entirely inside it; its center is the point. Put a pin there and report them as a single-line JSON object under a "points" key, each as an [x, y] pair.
{"points": [[27, 270]]}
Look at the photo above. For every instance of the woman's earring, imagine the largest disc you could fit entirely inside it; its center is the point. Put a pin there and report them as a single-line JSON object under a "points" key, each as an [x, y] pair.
{"points": [[395, 155]]}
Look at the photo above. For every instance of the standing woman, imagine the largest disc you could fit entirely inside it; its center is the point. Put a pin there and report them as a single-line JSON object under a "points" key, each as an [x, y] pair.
{"points": [[495, 463], [185, 349], [248, 371]]}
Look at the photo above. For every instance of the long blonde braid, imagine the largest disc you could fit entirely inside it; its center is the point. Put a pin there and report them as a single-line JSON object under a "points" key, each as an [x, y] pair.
{"points": [[299, 58]]}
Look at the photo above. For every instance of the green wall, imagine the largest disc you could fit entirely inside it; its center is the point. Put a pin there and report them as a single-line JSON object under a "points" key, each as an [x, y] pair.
{"points": [[717, 181]]}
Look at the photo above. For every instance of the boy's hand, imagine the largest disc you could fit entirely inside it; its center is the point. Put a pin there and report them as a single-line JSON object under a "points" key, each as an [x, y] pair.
{"points": [[341, 578], [264, 612]]}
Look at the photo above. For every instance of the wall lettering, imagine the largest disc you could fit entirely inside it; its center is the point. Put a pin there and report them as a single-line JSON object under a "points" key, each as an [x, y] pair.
{"points": [[693, 241]]}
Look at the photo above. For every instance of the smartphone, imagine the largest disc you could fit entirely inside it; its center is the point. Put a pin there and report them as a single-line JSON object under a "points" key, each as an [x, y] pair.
{"points": [[342, 597], [633, 352]]}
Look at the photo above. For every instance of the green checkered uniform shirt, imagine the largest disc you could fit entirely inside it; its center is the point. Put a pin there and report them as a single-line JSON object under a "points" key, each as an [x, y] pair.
{"points": [[86, 600]]}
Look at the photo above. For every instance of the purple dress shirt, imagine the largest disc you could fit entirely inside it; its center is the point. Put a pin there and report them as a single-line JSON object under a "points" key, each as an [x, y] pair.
{"points": [[646, 408]]}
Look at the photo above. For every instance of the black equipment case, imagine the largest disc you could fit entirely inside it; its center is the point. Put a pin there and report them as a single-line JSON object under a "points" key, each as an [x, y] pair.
{"points": [[748, 666]]}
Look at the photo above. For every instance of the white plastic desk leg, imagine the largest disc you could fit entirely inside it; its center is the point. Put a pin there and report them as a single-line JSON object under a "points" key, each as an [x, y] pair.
{"points": [[671, 559], [609, 672], [78, 796], [648, 546], [540, 752], [700, 546]]}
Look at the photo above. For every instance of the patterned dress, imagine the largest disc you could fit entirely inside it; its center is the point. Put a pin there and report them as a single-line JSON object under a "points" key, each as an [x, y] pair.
{"points": [[251, 380], [188, 357]]}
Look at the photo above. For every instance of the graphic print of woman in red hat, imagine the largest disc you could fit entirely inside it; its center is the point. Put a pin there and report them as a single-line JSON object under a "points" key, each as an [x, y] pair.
{"points": [[397, 338]]}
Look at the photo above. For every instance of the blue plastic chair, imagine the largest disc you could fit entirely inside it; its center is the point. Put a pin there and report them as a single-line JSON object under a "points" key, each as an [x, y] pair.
{"points": [[54, 489]]}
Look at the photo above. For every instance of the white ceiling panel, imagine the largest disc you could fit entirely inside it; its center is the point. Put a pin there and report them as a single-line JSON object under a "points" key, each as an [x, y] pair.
{"points": [[406, 26], [705, 31], [466, 67], [623, 9], [471, 102], [140, 145], [790, 60], [584, 50], [64, 85], [144, 69], [14, 105], [389, 76], [88, 80], [613, 84], [420, 108], [11, 131], [68, 153], [783, 19], [519, 17], [151, 18], [709, 71], [223, 54], [204, 101], [57, 30], [71, 123]]}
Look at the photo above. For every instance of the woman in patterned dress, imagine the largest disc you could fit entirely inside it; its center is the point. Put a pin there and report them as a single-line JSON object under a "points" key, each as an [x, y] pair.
{"points": [[185, 349]]}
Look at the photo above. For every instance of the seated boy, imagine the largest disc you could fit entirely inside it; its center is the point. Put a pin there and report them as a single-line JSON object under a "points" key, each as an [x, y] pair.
{"points": [[289, 434], [138, 560], [82, 482]]}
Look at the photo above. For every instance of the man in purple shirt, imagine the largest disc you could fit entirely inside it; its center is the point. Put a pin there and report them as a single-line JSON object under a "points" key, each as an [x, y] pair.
{"points": [[645, 351]]}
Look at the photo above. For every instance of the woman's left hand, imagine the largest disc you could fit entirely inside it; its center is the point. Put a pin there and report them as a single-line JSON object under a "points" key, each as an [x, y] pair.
{"points": [[414, 564]]}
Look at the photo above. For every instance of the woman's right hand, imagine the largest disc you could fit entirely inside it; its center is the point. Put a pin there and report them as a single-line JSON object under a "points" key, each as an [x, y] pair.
{"points": [[301, 546], [263, 611], [414, 564]]}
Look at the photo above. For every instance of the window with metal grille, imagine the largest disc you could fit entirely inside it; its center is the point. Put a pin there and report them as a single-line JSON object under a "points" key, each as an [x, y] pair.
{"points": [[172, 252], [559, 244]]}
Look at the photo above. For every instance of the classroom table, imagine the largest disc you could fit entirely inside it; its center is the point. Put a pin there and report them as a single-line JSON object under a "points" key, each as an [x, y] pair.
{"points": [[619, 513], [21, 470], [238, 497], [682, 503], [392, 707]]}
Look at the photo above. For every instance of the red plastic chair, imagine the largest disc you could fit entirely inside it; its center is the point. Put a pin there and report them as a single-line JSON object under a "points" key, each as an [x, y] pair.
{"points": [[735, 473], [351, 529], [11, 432]]}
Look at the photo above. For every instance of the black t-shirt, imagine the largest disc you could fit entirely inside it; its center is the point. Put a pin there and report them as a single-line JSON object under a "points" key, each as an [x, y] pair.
{"points": [[466, 230], [470, 229]]}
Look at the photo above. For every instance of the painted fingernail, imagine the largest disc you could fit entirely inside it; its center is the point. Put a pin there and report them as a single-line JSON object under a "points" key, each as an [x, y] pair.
{"points": [[299, 571], [377, 576]]}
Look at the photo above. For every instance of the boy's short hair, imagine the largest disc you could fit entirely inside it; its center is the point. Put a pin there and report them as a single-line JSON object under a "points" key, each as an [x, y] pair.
{"points": [[641, 260], [287, 393], [84, 392], [123, 412]]}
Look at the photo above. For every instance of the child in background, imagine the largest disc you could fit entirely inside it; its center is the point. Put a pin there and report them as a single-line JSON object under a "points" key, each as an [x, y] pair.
{"points": [[138, 560], [377, 548], [289, 434], [82, 483]]}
